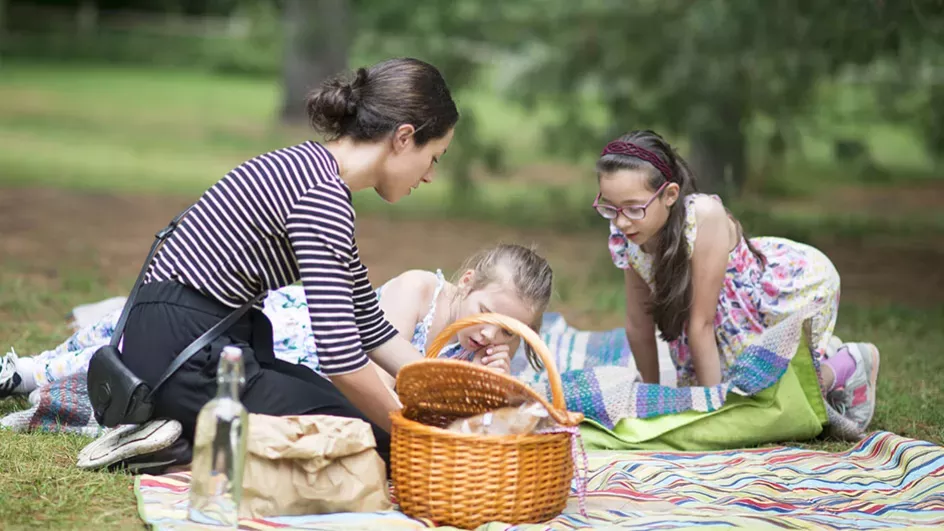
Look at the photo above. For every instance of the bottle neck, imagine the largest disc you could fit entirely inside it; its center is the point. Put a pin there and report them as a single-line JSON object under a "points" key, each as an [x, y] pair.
{"points": [[229, 378]]}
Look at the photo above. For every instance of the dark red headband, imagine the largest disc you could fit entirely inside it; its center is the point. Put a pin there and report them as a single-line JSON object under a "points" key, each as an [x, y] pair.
{"points": [[627, 148]]}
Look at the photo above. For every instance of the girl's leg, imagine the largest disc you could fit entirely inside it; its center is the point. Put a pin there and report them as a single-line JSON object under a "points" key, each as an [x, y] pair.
{"points": [[21, 375]]}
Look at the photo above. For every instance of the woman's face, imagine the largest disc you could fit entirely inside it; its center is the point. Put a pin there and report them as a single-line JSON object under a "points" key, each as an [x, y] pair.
{"points": [[407, 165], [496, 297]]}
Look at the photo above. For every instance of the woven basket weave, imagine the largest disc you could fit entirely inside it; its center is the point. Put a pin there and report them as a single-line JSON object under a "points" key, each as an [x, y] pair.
{"points": [[466, 480]]}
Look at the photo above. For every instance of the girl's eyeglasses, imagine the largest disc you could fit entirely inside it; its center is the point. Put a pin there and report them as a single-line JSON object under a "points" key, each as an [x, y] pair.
{"points": [[635, 212]]}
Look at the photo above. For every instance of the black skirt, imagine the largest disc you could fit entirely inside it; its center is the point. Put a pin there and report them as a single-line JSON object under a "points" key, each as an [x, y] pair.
{"points": [[168, 316]]}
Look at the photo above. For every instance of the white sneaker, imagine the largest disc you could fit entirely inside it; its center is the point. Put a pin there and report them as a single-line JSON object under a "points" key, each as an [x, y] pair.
{"points": [[128, 441], [856, 399], [9, 378]]}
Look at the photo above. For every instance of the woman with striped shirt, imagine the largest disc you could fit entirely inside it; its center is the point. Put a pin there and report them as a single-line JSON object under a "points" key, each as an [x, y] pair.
{"points": [[286, 216]]}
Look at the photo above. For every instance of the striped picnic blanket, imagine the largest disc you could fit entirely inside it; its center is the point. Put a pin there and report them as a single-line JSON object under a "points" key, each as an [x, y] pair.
{"points": [[887, 481]]}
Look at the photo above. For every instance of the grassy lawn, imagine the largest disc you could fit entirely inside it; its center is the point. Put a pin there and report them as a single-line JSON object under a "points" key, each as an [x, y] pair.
{"points": [[38, 477], [119, 130]]}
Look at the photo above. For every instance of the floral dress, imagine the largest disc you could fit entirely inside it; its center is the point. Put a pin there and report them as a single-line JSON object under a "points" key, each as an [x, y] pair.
{"points": [[287, 309], [797, 278]]}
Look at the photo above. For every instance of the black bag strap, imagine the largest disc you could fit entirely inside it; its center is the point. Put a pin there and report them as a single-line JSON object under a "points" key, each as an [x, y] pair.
{"points": [[198, 344], [160, 238]]}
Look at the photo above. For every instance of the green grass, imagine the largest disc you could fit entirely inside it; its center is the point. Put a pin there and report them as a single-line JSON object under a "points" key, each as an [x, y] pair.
{"points": [[107, 128], [40, 486]]}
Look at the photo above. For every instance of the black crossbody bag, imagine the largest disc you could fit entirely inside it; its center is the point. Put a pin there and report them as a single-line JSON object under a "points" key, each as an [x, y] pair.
{"points": [[117, 395]]}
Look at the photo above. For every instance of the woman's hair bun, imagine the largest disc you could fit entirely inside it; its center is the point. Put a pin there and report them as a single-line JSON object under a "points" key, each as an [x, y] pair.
{"points": [[335, 102]]}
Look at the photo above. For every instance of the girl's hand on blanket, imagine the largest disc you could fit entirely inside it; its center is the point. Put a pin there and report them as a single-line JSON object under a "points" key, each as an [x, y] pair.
{"points": [[498, 358]]}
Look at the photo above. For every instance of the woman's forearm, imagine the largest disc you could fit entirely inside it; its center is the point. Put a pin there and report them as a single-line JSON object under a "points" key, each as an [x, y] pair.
{"points": [[394, 354], [368, 393]]}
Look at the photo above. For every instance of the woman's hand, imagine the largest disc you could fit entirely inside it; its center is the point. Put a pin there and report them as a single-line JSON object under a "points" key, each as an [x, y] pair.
{"points": [[497, 358]]}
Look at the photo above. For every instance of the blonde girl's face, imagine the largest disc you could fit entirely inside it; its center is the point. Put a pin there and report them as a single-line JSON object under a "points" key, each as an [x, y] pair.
{"points": [[496, 297]]}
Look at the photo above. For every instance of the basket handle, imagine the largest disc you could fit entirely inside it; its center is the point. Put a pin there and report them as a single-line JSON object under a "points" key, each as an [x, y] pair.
{"points": [[515, 327]]}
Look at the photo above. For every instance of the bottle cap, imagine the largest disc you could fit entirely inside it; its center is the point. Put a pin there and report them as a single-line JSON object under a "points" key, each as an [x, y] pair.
{"points": [[232, 353]]}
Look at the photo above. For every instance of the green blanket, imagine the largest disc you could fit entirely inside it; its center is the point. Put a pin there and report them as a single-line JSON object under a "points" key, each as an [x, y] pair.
{"points": [[790, 410]]}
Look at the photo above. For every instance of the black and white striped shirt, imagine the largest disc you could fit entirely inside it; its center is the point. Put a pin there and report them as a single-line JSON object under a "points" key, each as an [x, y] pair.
{"points": [[278, 217]]}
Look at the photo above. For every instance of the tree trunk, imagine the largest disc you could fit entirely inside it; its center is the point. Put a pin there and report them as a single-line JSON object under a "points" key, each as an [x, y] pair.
{"points": [[718, 153], [773, 160], [87, 17], [934, 123], [3, 21], [317, 41]]}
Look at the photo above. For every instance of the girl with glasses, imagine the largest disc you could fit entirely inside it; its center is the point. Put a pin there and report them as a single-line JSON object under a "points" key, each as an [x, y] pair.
{"points": [[691, 273]]}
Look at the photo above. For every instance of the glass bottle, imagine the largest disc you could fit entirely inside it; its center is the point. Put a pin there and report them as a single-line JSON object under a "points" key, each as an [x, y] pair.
{"points": [[219, 448]]}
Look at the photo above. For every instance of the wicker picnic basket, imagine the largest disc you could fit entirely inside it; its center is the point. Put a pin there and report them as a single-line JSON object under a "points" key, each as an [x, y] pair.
{"points": [[466, 480]]}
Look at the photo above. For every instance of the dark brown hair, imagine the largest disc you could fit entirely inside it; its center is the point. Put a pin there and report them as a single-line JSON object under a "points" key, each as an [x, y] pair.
{"points": [[381, 98], [527, 271], [671, 301]]}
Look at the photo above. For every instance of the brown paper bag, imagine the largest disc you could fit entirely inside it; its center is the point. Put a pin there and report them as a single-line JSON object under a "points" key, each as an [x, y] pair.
{"points": [[311, 464]]}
